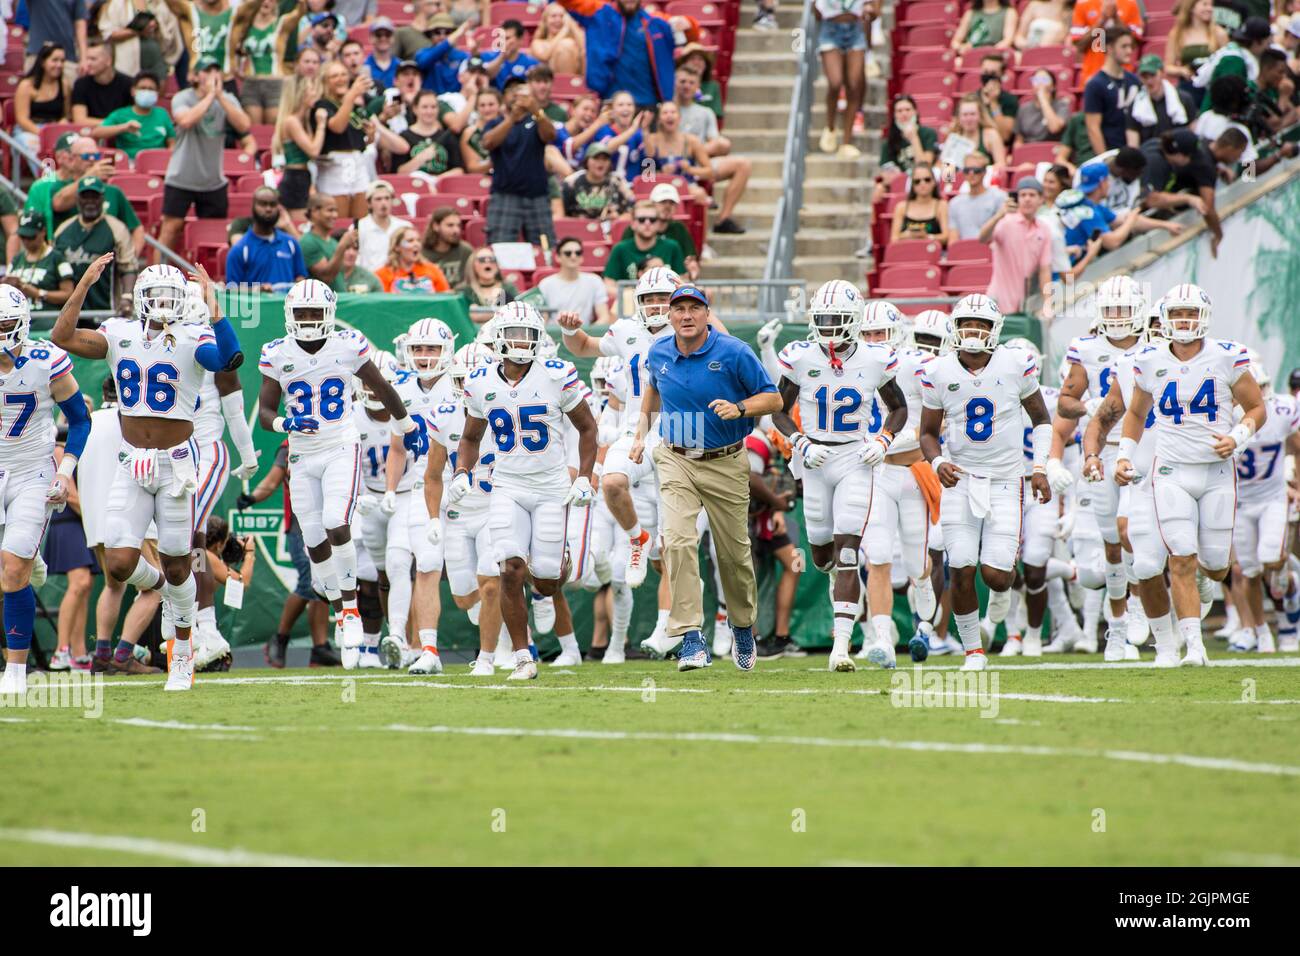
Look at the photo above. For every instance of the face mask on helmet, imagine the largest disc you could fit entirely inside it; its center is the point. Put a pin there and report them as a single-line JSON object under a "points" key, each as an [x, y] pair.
{"points": [[652, 310], [428, 361], [975, 335], [309, 324], [833, 329], [882, 324], [161, 304], [1117, 321], [1183, 324], [517, 342]]}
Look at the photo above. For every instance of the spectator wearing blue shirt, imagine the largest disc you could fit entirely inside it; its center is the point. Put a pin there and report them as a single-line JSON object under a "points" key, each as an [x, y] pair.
{"points": [[266, 256], [627, 49], [510, 61], [440, 64], [1084, 216], [708, 388], [516, 141], [381, 63]]}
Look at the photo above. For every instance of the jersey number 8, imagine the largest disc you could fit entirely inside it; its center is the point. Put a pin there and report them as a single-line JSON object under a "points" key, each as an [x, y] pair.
{"points": [[979, 419]]}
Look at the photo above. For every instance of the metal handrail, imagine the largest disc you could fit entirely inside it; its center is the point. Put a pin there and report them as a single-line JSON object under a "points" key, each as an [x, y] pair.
{"points": [[22, 150], [785, 223]]}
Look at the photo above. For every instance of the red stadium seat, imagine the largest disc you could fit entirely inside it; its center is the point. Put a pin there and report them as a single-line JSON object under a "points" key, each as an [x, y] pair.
{"points": [[968, 252], [247, 183], [529, 14], [543, 273], [262, 134], [906, 280], [1159, 27], [236, 162], [912, 252], [465, 184], [1049, 56], [1033, 153], [52, 131], [706, 12], [585, 230], [922, 84], [934, 110], [568, 86], [642, 187], [929, 35], [962, 279], [239, 204], [404, 183], [915, 61], [475, 232], [914, 14], [594, 258], [152, 161]]}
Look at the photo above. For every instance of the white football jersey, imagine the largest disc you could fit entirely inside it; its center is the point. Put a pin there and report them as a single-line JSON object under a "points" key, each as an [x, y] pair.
{"points": [[836, 405], [1098, 356], [629, 340], [27, 429], [1192, 399], [318, 384], [572, 456], [1049, 396], [209, 425], [420, 402], [1125, 377], [526, 418], [908, 376], [619, 384], [376, 440], [1261, 468], [446, 426], [158, 376], [985, 433]]}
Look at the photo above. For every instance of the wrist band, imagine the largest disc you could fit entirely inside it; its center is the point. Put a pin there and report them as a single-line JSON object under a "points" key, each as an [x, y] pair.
{"points": [[278, 424], [569, 333], [68, 465], [936, 462]]}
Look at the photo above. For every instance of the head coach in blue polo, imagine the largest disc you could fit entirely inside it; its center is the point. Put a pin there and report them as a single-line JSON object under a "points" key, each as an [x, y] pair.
{"points": [[708, 387]]}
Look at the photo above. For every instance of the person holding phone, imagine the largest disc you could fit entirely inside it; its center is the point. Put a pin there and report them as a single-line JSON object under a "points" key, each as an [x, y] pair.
{"points": [[1043, 115]]}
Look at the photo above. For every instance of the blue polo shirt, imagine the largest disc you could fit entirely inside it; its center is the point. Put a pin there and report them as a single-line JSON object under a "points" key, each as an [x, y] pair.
{"points": [[384, 77], [277, 261], [724, 367], [519, 67]]}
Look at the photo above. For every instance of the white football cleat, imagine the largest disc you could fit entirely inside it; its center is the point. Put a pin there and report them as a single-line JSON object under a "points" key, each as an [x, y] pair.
{"points": [[524, 670], [14, 679], [1011, 648], [370, 659], [427, 663], [209, 646], [615, 654], [1265, 644], [1085, 644], [638, 559], [390, 651], [482, 667], [1243, 640], [882, 655], [721, 641], [544, 614], [987, 630], [1115, 644], [351, 657], [1131, 653], [1166, 657], [1031, 646], [975, 661], [1139, 629], [1195, 655], [841, 663], [924, 599], [180, 673], [354, 633], [567, 659], [659, 645]]}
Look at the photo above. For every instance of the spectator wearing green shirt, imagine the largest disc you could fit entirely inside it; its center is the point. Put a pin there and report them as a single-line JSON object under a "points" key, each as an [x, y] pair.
{"points": [[211, 31], [38, 271], [323, 254], [143, 125], [645, 242], [442, 244], [353, 278], [55, 197], [668, 200], [1239, 58], [1076, 147], [91, 234], [9, 223]]}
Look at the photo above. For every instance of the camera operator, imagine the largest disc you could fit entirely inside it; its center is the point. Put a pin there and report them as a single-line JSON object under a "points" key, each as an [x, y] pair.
{"points": [[225, 552]]}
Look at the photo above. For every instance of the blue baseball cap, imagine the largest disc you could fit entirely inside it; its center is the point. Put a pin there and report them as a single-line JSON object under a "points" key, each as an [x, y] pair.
{"points": [[689, 292], [1091, 176]]}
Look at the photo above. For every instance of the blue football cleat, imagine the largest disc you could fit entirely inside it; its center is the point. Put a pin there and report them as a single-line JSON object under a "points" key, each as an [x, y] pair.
{"points": [[743, 651], [692, 655], [918, 647]]}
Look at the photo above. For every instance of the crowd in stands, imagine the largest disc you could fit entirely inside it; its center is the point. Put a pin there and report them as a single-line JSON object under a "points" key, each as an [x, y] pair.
{"points": [[1025, 139], [500, 150]]}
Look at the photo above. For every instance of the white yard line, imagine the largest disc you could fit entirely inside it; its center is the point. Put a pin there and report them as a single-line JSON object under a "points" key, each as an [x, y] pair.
{"points": [[177, 725], [181, 852], [1100, 665]]}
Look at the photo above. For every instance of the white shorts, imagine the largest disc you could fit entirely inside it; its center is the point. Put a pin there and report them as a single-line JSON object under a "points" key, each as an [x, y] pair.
{"points": [[900, 520], [1038, 529], [1149, 552], [428, 557], [324, 486], [837, 497], [341, 174], [617, 462], [166, 500], [1195, 507], [467, 551], [214, 472], [1259, 536], [992, 537], [1105, 496], [529, 520], [26, 510]]}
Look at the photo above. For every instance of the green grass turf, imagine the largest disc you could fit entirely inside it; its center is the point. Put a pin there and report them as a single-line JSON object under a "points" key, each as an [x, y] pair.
{"points": [[323, 776]]}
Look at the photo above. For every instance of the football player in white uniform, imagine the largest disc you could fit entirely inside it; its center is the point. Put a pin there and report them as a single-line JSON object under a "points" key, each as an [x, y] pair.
{"points": [[33, 377], [833, 376], [1191, 381], [160, 364], [313, 367], [1121, 314], [1260, 534], [629, 340], [221, 406], [524, 401], [980, 390], [427, 350]]}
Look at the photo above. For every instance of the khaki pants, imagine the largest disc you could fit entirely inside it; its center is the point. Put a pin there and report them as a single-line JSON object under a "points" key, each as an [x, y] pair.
{"points": [[721, 488]]}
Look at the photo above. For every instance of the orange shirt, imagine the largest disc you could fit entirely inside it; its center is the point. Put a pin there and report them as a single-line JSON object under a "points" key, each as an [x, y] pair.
{"points": [[1087, 18], [422, 277]]}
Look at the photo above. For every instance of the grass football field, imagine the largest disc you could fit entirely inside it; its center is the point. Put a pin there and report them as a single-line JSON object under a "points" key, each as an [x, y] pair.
{"points": [[1062, 762]]}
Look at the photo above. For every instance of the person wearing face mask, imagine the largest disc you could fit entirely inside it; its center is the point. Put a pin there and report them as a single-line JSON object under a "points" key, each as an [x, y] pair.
{"points": [[142, 125], [266, 256]]}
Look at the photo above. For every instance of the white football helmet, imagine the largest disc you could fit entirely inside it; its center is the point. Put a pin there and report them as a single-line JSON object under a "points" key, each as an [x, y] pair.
{"points": [[160, 294], [601, 369], [546, 347], [517, 332], [880, 315], [384, 361], [971, 338], [932, 332], [467, 358], [659, 281], [15, 319], [1120, 304], [1031, 348], [310, 294], [835, 314], [1185, 296], [1151, 324], [428, 334], [195, 311]]}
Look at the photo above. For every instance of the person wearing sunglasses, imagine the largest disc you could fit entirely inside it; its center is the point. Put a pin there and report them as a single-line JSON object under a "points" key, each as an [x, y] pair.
{"points": [[646, 240], [924, 214], [976, 204], [440, 62], [484, 290], [572, 290]]}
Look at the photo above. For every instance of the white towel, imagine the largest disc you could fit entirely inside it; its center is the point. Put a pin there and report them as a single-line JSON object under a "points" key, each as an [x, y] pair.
{"points": [[1144, 111], [979, 494]]}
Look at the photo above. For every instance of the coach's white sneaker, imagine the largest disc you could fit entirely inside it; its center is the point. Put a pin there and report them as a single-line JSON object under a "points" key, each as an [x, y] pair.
{"points": [[14, 679], [975, 661], [483, 666], [390, 651], [353, 631], [180, 673], [924, 599], [1011, 648], [881, 654], [638, 559], [721, 641], [40, 571], [525, 667], [1115, 642], [427, 663], [659, 645], [544, 614], [567, 659], [841, 663], [1195, 655]]}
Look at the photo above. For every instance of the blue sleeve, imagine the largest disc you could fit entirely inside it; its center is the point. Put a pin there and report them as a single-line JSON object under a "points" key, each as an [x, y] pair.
{"points": [[753, 378], [74, 409], [430, 55], [1094, 97], [1107, 214], [217, 357]]}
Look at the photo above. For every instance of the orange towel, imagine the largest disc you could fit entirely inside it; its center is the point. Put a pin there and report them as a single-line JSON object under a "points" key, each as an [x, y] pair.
{"points": [[930, 487]]}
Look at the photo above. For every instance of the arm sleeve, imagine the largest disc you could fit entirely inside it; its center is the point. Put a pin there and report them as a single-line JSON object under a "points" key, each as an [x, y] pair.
{"points": [[215, 356], [232, 410], [74, 408]]}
